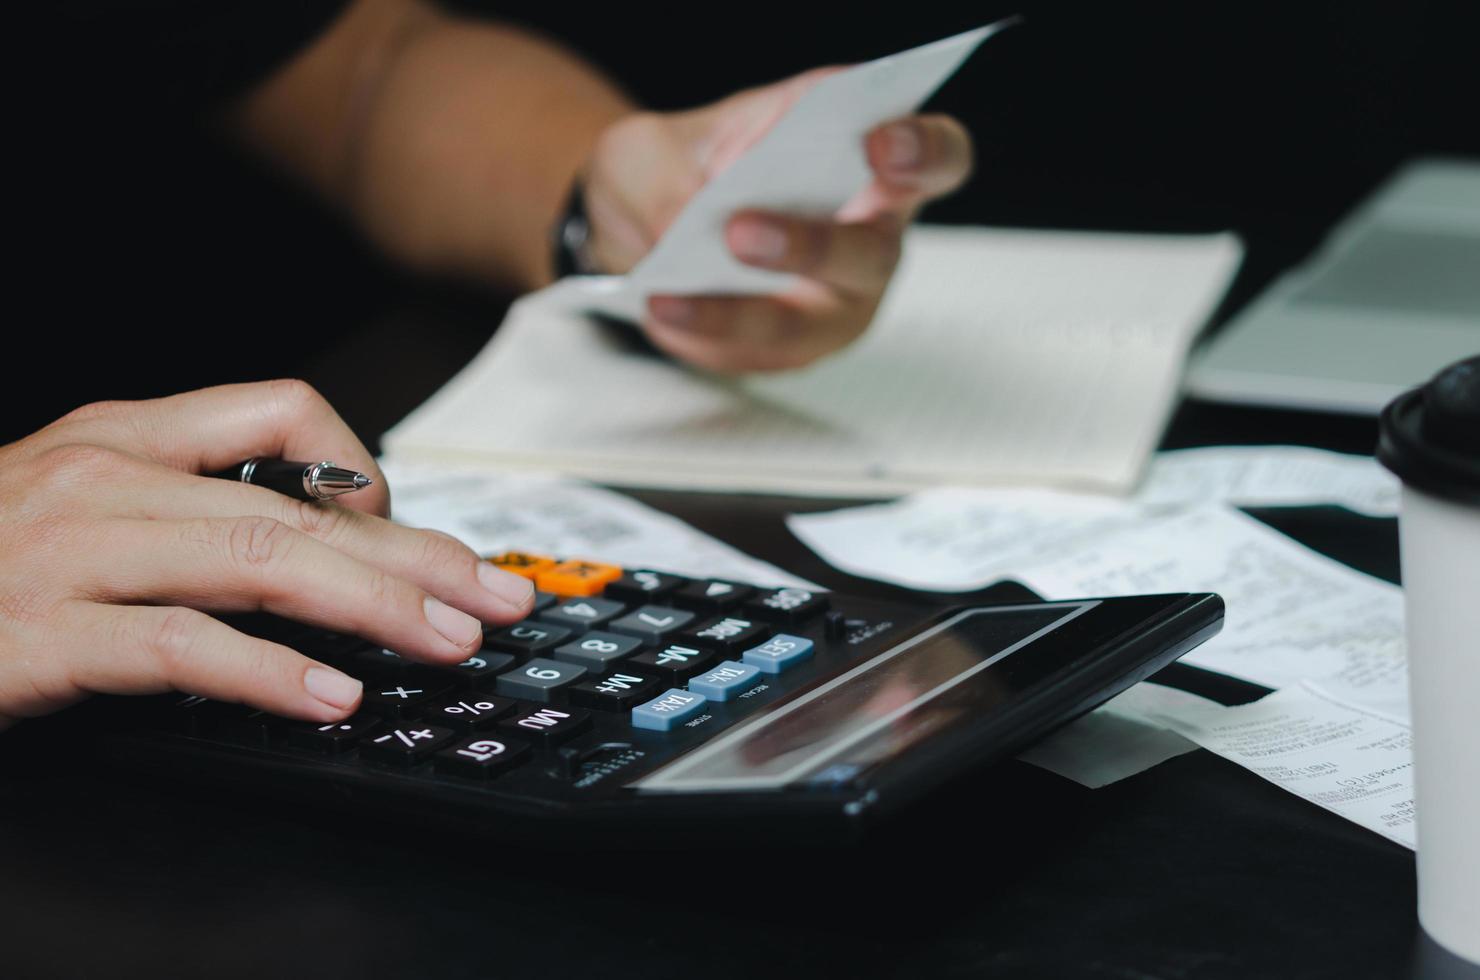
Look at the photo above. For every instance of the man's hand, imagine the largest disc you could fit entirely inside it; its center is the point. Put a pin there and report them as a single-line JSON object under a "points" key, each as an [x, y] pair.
{"points": [[646, 167], [111, 546], [454, 144]]}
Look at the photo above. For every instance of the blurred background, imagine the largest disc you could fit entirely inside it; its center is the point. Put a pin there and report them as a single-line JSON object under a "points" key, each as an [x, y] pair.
{"points": [[161, 259]]}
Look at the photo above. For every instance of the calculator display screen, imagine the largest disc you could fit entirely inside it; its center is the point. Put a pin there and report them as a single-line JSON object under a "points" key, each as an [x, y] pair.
{"points": [[960, 667]]}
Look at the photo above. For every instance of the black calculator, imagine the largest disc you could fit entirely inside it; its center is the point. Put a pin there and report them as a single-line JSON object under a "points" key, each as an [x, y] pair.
{"points": [[637, 702]]}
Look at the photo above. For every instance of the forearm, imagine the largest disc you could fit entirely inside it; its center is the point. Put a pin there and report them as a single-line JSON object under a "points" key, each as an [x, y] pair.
{"points": [[453, 143]]}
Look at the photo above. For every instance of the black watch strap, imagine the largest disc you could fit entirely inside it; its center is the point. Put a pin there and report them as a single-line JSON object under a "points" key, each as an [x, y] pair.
{"points": [[571, 237]]}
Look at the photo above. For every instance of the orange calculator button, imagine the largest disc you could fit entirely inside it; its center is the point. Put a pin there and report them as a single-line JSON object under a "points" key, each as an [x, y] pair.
{"points": [[577, 578], [523, 563]]}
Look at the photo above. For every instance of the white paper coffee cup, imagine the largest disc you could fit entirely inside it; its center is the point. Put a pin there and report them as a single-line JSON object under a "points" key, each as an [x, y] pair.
{"points": [[1431, 439]]}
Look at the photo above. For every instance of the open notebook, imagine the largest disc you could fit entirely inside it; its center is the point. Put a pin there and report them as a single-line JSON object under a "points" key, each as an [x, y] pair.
{"points": [[999, 356]]}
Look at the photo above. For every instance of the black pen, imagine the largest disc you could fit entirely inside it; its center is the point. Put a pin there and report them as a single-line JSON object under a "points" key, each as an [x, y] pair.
{"points": [[301, 481]]}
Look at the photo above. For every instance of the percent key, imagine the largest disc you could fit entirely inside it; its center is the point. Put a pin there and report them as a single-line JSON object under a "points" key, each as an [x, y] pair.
{"points": [[470, 712]]}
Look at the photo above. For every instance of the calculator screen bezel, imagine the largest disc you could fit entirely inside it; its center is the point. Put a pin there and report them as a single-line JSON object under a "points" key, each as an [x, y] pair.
{"points": [[727, 763], [1096, 649]]}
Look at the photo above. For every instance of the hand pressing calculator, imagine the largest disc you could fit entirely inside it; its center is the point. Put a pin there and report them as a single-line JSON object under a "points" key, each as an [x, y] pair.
{"points": [[638, 702]]}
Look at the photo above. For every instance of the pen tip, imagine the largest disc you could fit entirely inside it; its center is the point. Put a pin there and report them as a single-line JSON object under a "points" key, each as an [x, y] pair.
{"points": [[362, 481]]}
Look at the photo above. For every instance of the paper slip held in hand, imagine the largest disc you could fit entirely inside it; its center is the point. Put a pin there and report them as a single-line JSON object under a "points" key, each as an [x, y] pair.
{"points": [[997, 357], [493, 512], [810, 161]]}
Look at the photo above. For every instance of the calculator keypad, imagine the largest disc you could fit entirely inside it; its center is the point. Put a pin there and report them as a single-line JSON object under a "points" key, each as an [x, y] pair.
{"points": [[401, 700], [481, 669], [527, 639], [333, 738], [539, 680], [482, 756], [618, 692], [645, 650], [714, 595], [651, 622], [582, 614], [405, 744], [673, 663], [725, 635], [465, 712], [599, 651], [788, 606], [643, 587], [547, 725]]}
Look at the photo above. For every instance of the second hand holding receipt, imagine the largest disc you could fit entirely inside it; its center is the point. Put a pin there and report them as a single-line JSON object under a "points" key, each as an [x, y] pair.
{"points": [[825, 129]]}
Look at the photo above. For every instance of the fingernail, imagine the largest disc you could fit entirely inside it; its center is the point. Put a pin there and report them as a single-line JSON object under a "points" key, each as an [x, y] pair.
{"points": [[332, 687], [454, 624], [514, 590], [673, 310], [902, 150], [758, 241]]}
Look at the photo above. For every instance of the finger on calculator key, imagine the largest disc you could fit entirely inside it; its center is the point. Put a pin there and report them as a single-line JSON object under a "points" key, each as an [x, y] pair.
{"points": [[151, 649], [256, 563]]}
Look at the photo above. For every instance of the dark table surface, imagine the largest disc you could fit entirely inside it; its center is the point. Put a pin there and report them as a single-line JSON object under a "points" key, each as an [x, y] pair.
{"points": [[1195, 869]]}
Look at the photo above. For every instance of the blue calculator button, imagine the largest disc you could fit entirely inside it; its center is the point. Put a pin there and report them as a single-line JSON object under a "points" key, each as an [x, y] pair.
{"points": [[724, 681], [779, 652], [667, 710]]}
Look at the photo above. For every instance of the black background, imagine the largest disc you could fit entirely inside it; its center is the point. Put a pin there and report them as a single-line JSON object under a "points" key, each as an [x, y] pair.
{"points": [[160, 259]]}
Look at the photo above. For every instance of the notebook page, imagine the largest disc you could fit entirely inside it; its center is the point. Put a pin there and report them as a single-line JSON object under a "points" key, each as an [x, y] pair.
{"points": [[999, 356]]}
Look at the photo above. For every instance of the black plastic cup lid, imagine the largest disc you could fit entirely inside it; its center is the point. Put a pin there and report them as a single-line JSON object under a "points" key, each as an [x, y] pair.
{"points": [[1430, 436]]}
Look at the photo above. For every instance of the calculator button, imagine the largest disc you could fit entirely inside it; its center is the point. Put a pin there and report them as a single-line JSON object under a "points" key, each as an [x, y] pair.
{"points": [[643, 586], [523, 563], [546, 724], [673, 663], [582, 614], [786, 605], [712, 596], [469, 711], [247, 726], [334, 737], [577, 578], [527, 639], [378, 660], [668, 710], [725, 635], [205, 718], [406, 744], [618, 692], [186, 713], [323, 644], [779, 652], [539, 680], [401, 700], [480, 669], [598, 651], [481, 756], [651, 622], [725, 680]]}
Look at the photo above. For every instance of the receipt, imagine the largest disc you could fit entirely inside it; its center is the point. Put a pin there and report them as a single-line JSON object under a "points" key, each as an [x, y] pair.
{"points": [[1117, 740], [1292, 614], [958, 539], [1270, 476], [492, 512], [811, 161], [1353, 762]]}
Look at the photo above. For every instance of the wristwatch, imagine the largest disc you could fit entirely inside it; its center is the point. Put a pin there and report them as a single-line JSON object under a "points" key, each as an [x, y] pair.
{"points": [[571, 237]]}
